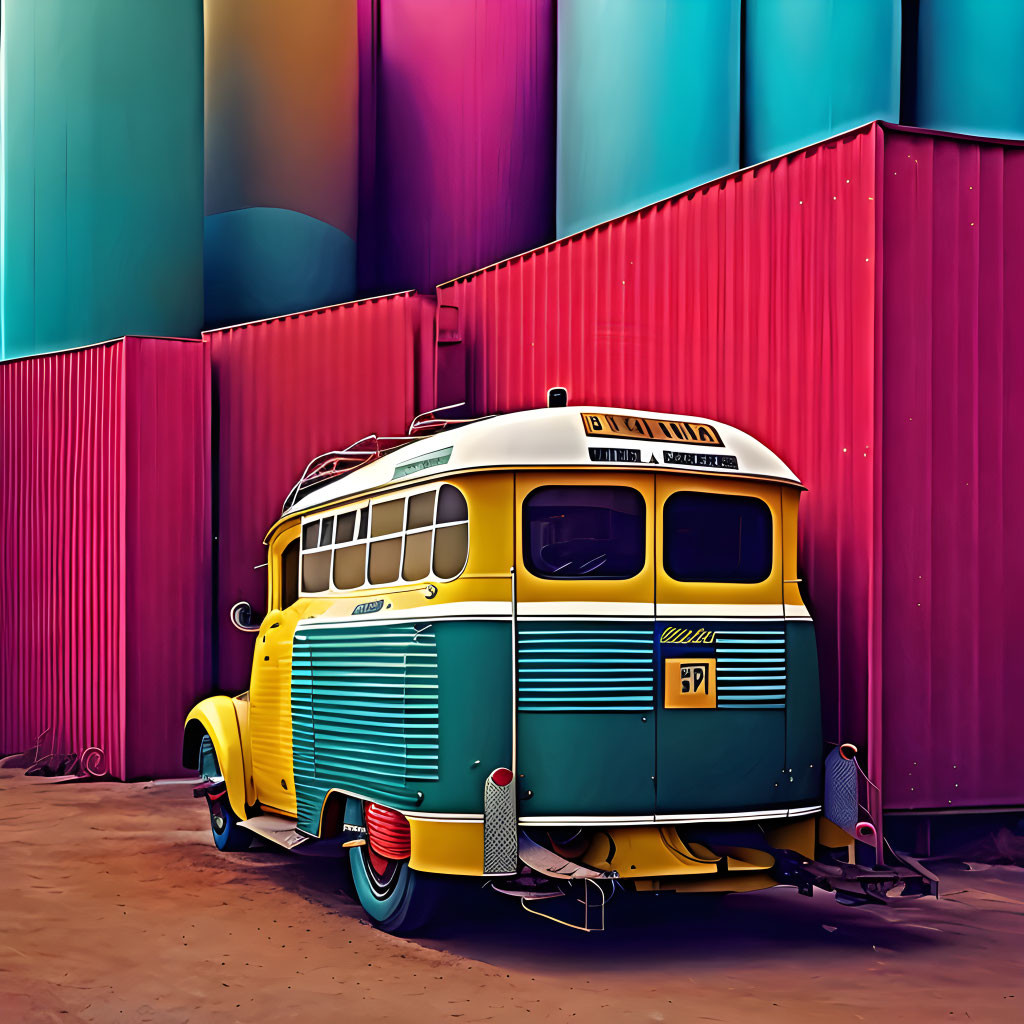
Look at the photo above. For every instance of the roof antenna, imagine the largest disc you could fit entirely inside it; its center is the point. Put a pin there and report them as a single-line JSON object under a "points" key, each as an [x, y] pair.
{"points": [[558, 398]]}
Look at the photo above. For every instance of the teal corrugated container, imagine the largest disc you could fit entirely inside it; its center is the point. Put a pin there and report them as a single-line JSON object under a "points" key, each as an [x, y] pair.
{"points": [[101, 229], [814, 68], [969, 56], [648, 103]]}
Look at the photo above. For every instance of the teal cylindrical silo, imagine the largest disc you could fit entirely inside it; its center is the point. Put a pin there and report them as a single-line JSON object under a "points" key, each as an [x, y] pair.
{"points": [[648, 103], [101, 187], [969, 57], [814, 68]]}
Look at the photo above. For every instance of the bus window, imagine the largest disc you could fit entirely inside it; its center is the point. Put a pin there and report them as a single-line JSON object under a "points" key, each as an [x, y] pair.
{"points": [[421, 511], [387, 517], [290, 574], [350, 567], [384, 558], [451, 549], [451, 505], [316, 571], [310, 535], [416, 561], [350, 555], [584, 532], [717, 538], [327, 532], [346, 527], [316, 564]]}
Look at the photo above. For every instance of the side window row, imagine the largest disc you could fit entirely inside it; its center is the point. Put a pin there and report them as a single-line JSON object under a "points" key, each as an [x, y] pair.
{"points": [[394, 540]]}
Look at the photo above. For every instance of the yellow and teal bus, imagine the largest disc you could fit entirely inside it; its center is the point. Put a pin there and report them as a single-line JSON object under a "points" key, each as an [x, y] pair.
{"points": [[564, 651]]}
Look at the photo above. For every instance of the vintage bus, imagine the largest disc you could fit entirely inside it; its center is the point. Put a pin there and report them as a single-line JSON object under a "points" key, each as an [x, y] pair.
{"points": [[562, 651]]}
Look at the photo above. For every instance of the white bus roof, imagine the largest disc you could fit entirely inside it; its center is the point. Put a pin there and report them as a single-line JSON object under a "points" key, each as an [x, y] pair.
{"points": [[578, 436]]}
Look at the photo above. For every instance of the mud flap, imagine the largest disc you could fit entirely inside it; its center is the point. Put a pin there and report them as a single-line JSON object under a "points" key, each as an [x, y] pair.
{"points": [[501, 848], [841, 791]]}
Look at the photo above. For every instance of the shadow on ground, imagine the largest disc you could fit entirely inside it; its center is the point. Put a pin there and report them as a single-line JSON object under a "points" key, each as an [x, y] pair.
{"points": [[655, 932]]}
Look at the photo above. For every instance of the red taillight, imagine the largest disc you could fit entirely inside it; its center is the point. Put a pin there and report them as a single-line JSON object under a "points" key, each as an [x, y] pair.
{"points": [[501, 776], [387, 832]]}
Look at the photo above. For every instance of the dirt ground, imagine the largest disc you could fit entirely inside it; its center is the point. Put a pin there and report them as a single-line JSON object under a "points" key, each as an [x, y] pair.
{"points": [[115, 906]]}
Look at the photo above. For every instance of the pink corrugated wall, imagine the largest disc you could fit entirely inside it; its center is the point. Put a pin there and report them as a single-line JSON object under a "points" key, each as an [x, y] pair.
{"points": [[286, 390], [952, 488], [168, 528], [751, 300], [856, 306], [74, 574]]}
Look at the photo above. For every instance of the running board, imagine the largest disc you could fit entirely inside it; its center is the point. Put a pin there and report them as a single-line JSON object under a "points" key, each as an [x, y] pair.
{"points": [[279, 831]]}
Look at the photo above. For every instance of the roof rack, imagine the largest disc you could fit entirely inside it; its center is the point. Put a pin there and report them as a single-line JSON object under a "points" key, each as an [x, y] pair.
{"points": [[332, 465]]}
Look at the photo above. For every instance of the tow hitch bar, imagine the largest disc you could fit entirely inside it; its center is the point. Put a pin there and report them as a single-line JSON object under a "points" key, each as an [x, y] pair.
{"points": [[856, 884]]}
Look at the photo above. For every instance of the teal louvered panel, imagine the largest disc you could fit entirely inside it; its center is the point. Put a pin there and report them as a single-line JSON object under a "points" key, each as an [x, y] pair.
{"points": [[751, 668], [365, 708], [578, 667]]}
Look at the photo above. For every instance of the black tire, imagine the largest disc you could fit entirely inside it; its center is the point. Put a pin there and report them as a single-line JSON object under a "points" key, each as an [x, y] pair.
{"points": [[228, 834], [397, 899]]}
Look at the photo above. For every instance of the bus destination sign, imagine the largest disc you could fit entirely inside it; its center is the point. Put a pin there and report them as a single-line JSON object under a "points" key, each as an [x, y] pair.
{"points": [[643, 428]]}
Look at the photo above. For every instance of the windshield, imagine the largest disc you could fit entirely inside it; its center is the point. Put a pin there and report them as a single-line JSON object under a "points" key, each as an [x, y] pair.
{"points": [[584, 532]]}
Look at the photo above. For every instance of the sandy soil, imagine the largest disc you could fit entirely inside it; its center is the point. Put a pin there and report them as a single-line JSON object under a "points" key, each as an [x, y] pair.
{"points": [[115, 906]]}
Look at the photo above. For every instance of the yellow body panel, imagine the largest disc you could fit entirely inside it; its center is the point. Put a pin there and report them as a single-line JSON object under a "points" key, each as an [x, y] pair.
{"points": [[270, 690], [648, 851], [270, 717], [218, 717], [791, 595], [798, 835], [831, 835], [447, 847]]}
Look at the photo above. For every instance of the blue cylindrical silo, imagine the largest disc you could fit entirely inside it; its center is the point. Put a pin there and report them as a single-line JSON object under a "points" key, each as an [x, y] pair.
{"points": [[648, 102]]}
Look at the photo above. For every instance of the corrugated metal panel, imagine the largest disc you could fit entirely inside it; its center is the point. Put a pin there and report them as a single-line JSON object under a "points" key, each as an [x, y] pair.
{"points": [[101, 144], [284, 391], [854, 309], [968, 57], [457, 137], [168, 527], [648, 103], [953, 430], [812, 68], [750, 300], [282, 141], [104, 486]]}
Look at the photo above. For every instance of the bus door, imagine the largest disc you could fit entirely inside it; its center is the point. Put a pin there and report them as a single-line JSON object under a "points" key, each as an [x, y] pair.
{"points": [[719, 647], [585, 736]]}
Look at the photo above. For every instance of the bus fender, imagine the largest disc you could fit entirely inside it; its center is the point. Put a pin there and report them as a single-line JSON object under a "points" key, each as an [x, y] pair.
{"points": [[216, 717]]}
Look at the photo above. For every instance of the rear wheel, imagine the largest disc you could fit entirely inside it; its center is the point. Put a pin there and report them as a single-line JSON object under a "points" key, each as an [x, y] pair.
{"points": [[396, 898]]}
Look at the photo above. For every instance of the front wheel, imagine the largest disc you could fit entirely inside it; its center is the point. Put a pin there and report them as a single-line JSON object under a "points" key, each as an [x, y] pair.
{"points": [[397, 898], [228, 833]]}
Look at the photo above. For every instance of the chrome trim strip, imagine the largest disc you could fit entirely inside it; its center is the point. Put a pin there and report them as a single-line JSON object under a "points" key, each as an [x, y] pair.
{"points": [[671, 819]]}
